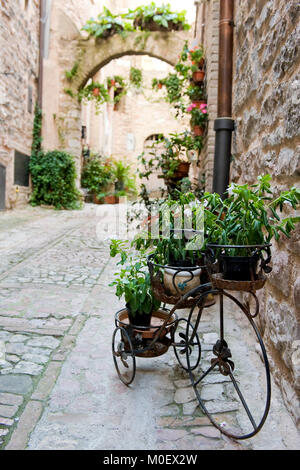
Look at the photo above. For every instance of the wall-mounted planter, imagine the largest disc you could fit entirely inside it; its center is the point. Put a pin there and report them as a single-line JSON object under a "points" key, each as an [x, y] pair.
{"points": [[198, 131], [198, 76]]}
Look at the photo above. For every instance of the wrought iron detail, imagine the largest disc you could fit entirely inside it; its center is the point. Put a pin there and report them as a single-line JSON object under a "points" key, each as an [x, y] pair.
{"points": [[223, 353]]}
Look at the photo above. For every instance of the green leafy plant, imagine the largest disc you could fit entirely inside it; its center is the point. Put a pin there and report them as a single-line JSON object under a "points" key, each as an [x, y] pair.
{"points": [[53, 177], [124, 181], [179, 87], [133, 280], [96, 175], [168, 153], [94, 91], [70, 74], [157, 18], [105, 25], [249, 216], [195, 92], [198, 114], [119, 85], [173, 85], [196, 56], [171, 248], [136, 77]]}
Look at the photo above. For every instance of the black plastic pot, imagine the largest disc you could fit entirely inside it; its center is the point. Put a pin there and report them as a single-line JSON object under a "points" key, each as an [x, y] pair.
{"points": [[239, 268], [139, 319]]}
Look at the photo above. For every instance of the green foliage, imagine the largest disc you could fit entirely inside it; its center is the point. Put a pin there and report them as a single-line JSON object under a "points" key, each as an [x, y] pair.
{"points": [[162, 16], [194, 92], [105, 25], [136, 77], [37, 132], [96, 175], [179, 85], [168, 153], [124, 181], [142, 18], [167, 249], [133, 279], [94, 91], [249, 216], [198, 114], [173, 86], [53, 177], [119, 85], [70, 74]]}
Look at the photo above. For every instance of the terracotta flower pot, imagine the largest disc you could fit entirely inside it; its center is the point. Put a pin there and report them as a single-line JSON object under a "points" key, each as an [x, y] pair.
{"points": [[96, 92], [198, 130], [198, 102], [96, 200], [198, 76], [182, 171], [111, 200]]}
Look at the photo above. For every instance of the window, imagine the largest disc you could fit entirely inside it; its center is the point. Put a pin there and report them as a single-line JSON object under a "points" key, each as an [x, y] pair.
{"points": [[21, 170]]}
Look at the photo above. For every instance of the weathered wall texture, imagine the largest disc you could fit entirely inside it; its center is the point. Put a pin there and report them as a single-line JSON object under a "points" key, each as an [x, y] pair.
{"points": [[19, 50], [210, 40], [267, 113]]}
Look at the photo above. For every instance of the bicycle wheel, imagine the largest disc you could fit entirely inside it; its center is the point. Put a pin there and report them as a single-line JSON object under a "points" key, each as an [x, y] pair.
{"points": [[123, 355], [232, 384], [186, 342]]}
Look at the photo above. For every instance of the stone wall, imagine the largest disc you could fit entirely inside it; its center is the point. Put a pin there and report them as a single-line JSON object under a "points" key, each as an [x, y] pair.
{"points": [[19, 51], [267, 113]]}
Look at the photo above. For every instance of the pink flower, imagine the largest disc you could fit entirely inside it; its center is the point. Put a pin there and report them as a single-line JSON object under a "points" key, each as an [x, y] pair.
{"points": [[190, 107], [204, 111], [203, 106]]}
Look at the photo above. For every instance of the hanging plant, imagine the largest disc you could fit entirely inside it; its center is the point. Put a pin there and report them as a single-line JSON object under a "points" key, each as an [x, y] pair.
{"points": [[105, 26], [196, 56], [119, 85], [136, 77], [94, 91], [157, 18]]}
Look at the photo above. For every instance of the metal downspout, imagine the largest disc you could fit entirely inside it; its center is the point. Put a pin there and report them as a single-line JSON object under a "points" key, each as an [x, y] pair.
{"points": [[224, 124]]}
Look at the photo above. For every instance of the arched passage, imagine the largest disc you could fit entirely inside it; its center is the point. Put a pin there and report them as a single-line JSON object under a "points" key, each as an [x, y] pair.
{"points": [[91, 55]]}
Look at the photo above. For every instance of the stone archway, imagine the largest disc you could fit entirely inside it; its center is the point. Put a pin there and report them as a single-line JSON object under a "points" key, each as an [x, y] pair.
{"points": [[91, 55]]}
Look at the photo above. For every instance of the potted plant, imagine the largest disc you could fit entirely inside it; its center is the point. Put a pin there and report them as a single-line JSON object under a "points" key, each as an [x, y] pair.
{"points": [[248, 217], [199, 117], [133, 282], [119, 86], [170, 250], [124, 182], [94, 91], [105, 26], [96, 177], [196, 94], [157, 18], [196, 55]]}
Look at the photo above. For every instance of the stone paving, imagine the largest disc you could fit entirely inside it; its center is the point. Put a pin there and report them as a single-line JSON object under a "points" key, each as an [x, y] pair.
{"points": [[58, 385]]}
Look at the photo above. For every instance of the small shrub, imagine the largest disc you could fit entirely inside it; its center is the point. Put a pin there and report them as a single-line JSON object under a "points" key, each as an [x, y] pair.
{"points": [[53, 177]]}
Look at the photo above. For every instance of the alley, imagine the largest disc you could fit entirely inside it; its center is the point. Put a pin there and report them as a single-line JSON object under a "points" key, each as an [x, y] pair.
{"points": [[58, 385]]}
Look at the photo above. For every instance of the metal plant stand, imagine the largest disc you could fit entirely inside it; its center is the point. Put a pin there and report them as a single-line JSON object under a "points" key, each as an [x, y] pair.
{"points": [[131, 341]]}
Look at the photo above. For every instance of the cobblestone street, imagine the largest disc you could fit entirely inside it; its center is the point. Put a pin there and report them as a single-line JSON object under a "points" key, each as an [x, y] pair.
{"points": [[58, 385]]}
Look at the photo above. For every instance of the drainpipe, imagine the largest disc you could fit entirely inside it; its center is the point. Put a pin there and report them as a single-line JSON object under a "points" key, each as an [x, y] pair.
{"points": [[224, 124]]}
